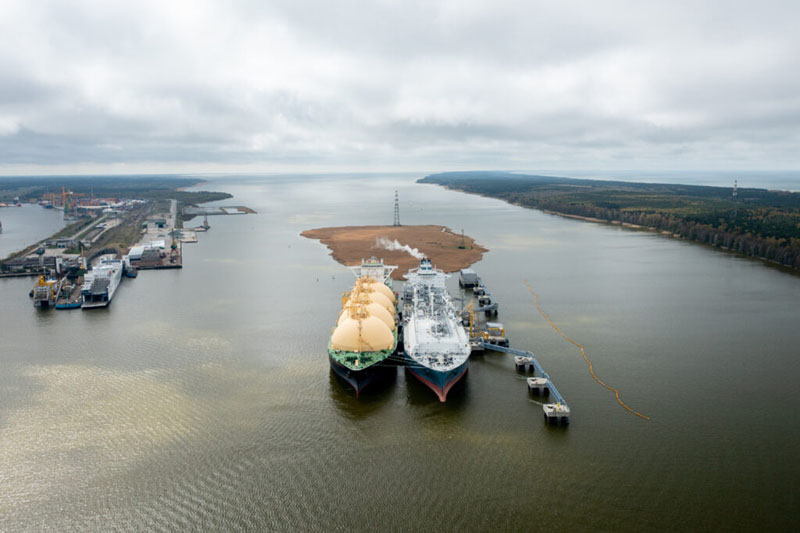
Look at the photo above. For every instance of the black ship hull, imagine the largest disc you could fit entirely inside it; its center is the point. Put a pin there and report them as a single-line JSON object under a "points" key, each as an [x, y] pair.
{"points": [[358, 379]]}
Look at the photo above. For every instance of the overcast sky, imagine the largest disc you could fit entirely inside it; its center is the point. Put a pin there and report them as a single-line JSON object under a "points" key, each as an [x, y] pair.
{"points": [[164, 85]]}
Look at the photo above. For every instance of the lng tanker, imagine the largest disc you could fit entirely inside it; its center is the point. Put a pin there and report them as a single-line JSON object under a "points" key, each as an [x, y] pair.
{"points": [[436, 346], [365, 335]]}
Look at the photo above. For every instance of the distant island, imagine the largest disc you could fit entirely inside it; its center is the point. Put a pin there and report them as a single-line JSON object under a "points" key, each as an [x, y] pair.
{"points": [[755, 222], [399, 245]]}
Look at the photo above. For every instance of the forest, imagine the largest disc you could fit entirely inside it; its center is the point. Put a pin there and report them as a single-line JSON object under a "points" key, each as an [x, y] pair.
{"points": [[756, 222]]}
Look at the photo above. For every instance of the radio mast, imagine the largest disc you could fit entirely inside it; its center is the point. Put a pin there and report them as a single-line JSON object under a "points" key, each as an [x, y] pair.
{"points": [[396, 210]]}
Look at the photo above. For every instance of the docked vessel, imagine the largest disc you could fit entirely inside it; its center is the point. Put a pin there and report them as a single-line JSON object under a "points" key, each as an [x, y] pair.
{"points": [[436, 346], [365, 336], [100, 283], [45, 293]]}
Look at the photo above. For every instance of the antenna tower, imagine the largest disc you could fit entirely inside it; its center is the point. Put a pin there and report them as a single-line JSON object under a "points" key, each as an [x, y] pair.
{"points": [[396, 210], [735, 194]]}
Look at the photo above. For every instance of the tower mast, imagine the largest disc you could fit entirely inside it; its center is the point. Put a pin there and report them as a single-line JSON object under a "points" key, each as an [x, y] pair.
{"points": [[396, 210]]}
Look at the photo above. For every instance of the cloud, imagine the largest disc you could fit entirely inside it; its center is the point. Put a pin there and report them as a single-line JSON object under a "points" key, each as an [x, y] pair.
{"points": [[413, 84]]}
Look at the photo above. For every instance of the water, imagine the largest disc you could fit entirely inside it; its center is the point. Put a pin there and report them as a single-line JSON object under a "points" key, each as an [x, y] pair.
{"points": [[23, 226], [202, 398]]}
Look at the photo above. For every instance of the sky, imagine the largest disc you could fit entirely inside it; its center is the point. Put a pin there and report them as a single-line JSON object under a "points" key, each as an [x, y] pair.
{"points": [[202, 86]]}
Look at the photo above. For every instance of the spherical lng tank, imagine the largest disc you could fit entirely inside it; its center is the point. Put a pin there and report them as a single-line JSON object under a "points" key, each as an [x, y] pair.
{"points": [[373, 308], [373, 296], [370, 283], [364, 334]]}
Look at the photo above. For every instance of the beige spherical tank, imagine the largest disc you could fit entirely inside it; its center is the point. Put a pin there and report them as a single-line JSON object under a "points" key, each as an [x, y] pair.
{"points": [[373, 309], [383, 289], [360, 293], [369, 334]]}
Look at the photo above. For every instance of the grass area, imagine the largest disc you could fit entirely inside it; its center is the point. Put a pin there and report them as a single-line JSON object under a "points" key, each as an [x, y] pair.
{"points": [[73, 228], [758, 222]]}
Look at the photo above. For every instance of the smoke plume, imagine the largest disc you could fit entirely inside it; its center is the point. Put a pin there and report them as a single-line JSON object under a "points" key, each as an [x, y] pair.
{"points": [[383, 242]]}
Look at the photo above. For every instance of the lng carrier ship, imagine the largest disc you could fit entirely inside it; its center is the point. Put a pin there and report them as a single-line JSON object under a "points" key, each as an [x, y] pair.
{"points": [[437, 347], [365, 335]]}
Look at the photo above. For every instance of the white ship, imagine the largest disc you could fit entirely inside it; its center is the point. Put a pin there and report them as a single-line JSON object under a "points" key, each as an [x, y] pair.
{"points": [[436, 345], [100, 283]]}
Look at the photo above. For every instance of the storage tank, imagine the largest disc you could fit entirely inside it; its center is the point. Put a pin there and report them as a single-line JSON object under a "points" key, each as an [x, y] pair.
{"points": [[373, 309], [361, 332], [373, 296], [371, 284]]}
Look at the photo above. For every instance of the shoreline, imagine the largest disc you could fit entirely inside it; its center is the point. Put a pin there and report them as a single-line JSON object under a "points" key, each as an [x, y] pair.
{"points": [[200, 184], [637, 227]]}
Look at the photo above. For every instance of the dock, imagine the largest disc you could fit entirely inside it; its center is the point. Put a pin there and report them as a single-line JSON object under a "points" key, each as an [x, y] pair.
{"points": [[492, 336], [554, 413]]}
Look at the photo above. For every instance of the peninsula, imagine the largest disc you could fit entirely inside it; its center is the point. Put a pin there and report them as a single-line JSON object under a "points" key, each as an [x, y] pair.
{"points": [[399, 245], [754, 222]]}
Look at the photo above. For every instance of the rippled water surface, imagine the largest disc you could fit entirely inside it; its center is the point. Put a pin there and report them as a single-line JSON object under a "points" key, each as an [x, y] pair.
{"points": [[202, 398]]}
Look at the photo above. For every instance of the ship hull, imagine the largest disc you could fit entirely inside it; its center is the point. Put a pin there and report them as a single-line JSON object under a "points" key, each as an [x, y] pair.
{"points": [[70, 305], [440, 382], [358, 379]]}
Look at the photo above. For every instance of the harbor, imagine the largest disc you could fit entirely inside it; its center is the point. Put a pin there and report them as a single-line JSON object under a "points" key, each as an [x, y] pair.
{"points": [[192, 395], [102, 241]]}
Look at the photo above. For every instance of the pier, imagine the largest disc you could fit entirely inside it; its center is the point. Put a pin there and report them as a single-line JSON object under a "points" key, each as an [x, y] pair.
{"points": [[468, 279], [554, 413], [491, 336]]}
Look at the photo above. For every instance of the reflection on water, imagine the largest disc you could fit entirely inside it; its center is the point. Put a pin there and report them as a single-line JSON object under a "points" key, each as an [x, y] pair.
{"points": [[371, 400], [418, 394], [203, 398]]}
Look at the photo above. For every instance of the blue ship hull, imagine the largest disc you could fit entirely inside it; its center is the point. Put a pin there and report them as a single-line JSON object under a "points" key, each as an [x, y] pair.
{"points": [[439, 382]]}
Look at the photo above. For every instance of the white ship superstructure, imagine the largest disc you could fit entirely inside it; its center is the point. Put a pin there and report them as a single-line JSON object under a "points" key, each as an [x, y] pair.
{"points": [[436, 345], [100, 283], [374, 268]]}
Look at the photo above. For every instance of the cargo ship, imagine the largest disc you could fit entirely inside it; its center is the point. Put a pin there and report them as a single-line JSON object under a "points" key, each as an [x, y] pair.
{"points": [[436, 346], [366, 335], [100, 284]]}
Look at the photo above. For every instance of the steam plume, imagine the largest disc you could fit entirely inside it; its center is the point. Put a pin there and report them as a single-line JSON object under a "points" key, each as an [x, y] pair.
{"points": [[383, 242]]}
